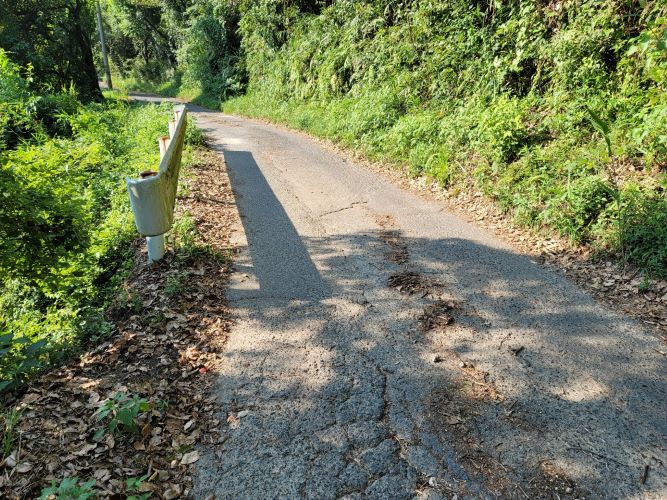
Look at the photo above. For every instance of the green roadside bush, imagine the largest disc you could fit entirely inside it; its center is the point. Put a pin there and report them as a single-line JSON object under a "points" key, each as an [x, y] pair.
{"points": [[643, 230], [65, 222]]}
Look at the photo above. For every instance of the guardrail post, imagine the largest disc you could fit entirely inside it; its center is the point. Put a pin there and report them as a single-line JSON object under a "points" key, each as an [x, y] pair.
{"points": [[153, 195], [156, 247]]}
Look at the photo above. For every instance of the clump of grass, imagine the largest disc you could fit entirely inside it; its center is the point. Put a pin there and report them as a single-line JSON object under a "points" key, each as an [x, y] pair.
{"points": [[8, 422]]}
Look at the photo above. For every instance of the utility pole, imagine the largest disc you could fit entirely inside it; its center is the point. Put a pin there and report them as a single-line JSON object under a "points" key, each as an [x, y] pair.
{"points": [[100, 28]]}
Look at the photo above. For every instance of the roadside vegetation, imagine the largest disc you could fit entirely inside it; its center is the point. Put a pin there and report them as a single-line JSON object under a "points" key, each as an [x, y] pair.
{"points": [[555, 110], [137, 403], [66, 229], [74, 285]]}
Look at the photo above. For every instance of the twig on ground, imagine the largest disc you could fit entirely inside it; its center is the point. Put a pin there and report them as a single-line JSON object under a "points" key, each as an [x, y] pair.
{"points": [[598, 455], [644, 476]]}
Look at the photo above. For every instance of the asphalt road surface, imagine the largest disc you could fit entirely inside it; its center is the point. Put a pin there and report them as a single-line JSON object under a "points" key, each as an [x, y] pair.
{"points": [[331, 389]]}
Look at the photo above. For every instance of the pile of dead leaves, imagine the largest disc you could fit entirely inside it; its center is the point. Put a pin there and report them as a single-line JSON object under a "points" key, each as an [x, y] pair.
{"points": [[410, 283], [398, 252], [436, 315], [406, 282], [127, 417]]}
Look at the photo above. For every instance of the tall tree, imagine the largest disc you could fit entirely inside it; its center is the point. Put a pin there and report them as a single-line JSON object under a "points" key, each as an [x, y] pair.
{"points": [[54, 37]]}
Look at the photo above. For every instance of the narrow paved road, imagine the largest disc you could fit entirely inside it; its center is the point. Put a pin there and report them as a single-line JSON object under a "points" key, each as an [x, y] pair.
{"points": [[331, 389]]}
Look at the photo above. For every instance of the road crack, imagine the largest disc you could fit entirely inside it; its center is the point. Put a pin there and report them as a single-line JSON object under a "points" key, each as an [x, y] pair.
{"points": [[347, 207]]}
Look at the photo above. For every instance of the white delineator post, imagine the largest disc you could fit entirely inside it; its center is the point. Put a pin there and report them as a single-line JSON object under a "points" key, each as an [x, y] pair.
{"points": [[153, 195], [156, 247]]}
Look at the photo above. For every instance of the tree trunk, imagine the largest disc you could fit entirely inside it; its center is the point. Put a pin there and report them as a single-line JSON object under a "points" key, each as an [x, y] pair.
{"points": [[87, 83]]}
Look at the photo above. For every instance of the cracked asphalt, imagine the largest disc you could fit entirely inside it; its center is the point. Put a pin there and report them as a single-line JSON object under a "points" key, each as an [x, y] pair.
{"points": [[327, 386]]}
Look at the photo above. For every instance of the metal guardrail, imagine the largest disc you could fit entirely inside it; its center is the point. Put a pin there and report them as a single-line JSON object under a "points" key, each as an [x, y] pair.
{"points": [[153, 196]]}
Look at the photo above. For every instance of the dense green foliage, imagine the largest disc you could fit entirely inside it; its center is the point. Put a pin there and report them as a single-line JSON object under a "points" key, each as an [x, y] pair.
{"points": [[54, 38], [556, 110], [65, 222], [195, 43]]}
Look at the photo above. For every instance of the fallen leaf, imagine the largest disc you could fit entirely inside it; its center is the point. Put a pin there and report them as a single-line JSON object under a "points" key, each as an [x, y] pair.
{"points": [[102, 475], [190, 458], [87, 448], [10, 461], [454, 420], [23, 467], [174, 491]]}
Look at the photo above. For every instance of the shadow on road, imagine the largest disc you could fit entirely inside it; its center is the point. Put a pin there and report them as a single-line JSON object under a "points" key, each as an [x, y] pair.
{"points": [[280, 261], [337, 383]]}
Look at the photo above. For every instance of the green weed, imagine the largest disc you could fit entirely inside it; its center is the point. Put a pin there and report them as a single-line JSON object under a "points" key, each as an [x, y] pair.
{"points": [[176, 285], [70, 488], [19, 358], [133, 488], [121, 412], [184, 234], [155, 318], [9, 419]]}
